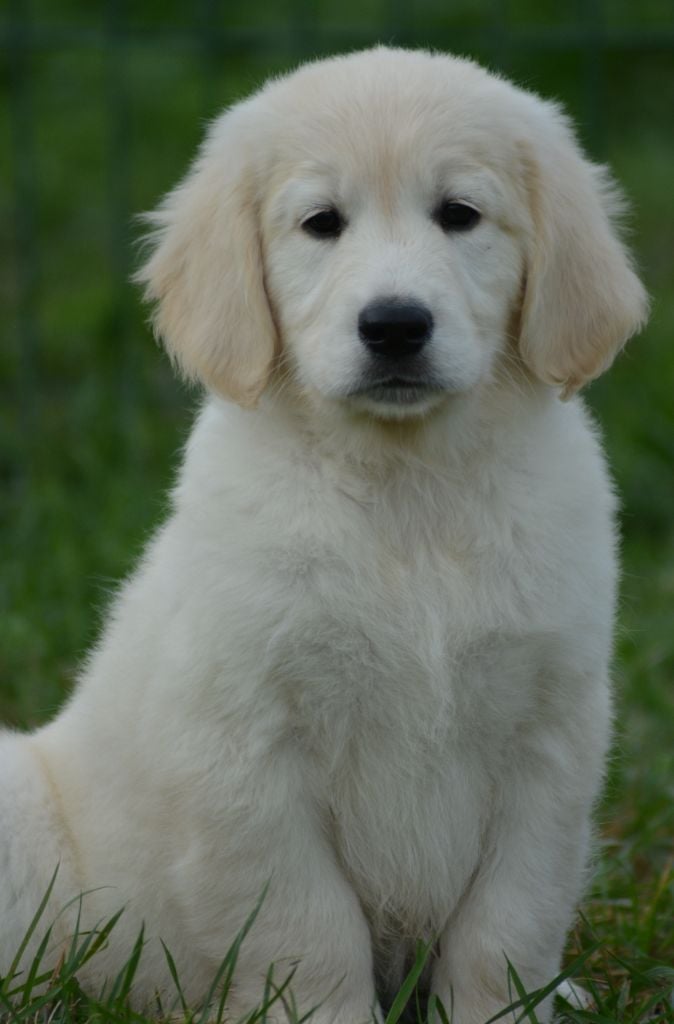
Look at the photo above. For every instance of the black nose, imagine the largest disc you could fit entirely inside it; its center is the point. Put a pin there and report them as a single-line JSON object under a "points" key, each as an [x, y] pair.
{"points": [[393, 328]]}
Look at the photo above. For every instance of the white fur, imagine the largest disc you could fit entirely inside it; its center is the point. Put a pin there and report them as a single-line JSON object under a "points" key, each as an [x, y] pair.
{"points": [[366, 657]]}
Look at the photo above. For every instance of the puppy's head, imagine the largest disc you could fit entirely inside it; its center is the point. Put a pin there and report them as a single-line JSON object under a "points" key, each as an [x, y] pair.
{"points": [[384, 228]]}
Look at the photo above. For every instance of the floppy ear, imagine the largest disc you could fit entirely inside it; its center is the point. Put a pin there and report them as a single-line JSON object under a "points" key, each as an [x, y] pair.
{"points": [[205, 273], [582, 300]]}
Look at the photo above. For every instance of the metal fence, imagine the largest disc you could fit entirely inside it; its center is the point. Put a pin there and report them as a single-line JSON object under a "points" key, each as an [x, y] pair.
{"points": [[507, 35]]}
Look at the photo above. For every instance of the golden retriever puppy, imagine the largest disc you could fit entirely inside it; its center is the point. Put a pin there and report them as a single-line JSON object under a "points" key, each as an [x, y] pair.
{"points": [[366, 658]]}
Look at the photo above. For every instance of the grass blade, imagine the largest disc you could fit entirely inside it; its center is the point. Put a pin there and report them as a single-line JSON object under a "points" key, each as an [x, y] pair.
{"points": [[174, 975], [226, 969], [124, 980], [524, 996], [409, 984], [14, 966], [436, 1009]]}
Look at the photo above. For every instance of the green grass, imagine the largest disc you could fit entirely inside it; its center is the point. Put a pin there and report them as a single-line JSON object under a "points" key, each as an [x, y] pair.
{"points": [[91, 419], [640, 992]]}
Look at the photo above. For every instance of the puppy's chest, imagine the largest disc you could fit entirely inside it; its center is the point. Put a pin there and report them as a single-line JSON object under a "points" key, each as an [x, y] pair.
{"points": [[364, 644], [377, 668], [385, 642]]}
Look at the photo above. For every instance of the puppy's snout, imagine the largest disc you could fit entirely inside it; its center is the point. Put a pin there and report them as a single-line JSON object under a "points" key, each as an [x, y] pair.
{"points": [[393, 328]]}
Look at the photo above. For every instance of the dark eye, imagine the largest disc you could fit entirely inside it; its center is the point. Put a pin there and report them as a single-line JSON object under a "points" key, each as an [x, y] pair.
{"points": [[324, 224], [453, 216]]}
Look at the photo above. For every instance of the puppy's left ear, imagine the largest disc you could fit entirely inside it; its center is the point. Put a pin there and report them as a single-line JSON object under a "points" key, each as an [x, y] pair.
{"points": [[205, 273], [582, 300]]}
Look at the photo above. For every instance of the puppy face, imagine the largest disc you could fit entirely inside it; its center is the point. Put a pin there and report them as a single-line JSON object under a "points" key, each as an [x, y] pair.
{"points": [[393, 259], [387, 229]]}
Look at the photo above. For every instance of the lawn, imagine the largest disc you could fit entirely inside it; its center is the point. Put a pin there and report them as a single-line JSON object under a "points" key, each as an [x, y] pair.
{"points": [[91, 421]]}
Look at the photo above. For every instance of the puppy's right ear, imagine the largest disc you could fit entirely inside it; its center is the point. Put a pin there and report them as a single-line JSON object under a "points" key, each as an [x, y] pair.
{"points": [[205, 273]]}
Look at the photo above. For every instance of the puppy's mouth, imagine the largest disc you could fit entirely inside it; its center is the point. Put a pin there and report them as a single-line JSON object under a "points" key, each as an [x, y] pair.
{"points": [[398, 390]]}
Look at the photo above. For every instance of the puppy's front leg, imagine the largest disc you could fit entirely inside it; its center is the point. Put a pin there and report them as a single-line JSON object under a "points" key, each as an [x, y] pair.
{"points": [[311, 924], [521, 902], [310, 920]]}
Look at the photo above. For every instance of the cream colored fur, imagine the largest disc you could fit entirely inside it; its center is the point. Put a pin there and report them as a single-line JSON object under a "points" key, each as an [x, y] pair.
{"points": [[366, 658]]}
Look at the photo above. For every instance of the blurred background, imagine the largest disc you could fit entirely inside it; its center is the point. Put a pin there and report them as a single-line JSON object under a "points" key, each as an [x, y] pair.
{"points": [[102, 106]]}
